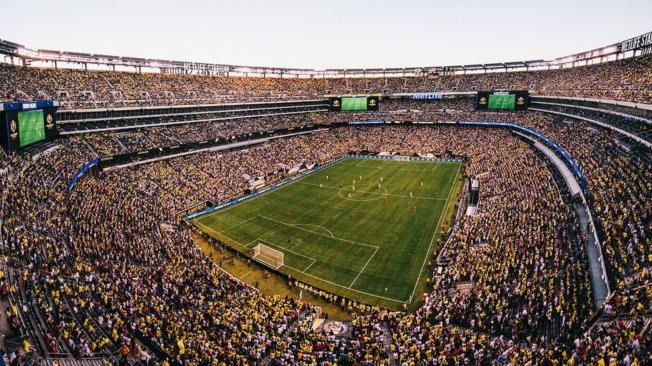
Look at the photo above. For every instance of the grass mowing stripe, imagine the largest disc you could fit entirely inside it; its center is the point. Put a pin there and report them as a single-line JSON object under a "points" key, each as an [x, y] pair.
{"points": [[316, 233], [207, 228], [379, 194], [288, 250], [362, 270], [364, 248], [319, 226], [256, 197], [350, 289], [236, 225], [425, 258]]}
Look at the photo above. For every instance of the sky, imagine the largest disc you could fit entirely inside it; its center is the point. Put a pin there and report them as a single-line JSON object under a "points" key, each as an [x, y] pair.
{"points": [[326, 34]]}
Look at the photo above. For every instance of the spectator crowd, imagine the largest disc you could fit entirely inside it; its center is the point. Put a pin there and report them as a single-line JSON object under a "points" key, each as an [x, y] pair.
{"points": [[108, 269], [625, 80]]}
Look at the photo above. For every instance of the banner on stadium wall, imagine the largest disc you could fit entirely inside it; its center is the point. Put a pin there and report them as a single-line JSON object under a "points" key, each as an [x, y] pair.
{"points": [[203, 68], [642, 42], [571, 163], [25, 106], [428, 96], [367, 122], [81, 172], [194, 208]]}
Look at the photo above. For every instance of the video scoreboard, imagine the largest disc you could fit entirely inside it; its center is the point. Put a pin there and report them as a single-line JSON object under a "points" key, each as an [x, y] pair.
{"points": [[348, 103], [503, 100], [25, 124]]}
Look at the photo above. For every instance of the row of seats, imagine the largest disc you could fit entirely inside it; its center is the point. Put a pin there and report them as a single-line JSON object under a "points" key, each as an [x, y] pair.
{"points": [[628, 80], [108, 267]]}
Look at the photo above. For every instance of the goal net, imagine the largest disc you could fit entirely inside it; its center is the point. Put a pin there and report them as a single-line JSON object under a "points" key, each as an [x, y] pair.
{"points": [[268, 256]]}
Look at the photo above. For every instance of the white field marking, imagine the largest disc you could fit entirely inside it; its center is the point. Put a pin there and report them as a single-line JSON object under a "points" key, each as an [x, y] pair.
{"points": [[261, 238], [236, 225], [365, 266], [316, 233], [248, 245], [220, 235], [271, 190], [360, 162], [434, 167], [399, 162], [285, 249], [300, 179], [306, 269], [379, 194], [315, 260], [346, 288], [392, 161], [319, 226], [393, 169], [315, 277], [266, 233], [319, 278], [425, 258]]}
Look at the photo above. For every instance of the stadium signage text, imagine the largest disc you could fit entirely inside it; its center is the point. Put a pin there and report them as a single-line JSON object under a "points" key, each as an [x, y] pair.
{"points": [[434, 95], [642, 41], [201, 67]]}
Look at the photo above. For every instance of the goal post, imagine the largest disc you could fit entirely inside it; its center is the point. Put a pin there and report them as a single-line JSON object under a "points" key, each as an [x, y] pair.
{"points": [[268, 256]]}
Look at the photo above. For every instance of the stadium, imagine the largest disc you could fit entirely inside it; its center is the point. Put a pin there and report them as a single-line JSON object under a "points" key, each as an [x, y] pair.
{"points": [[162, 212]]}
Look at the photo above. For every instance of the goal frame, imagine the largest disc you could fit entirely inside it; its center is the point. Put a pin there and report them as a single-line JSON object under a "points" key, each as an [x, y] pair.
{"points": [[268, 256]]}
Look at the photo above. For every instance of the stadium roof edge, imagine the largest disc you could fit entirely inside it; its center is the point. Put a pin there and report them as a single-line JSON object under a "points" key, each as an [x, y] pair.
{"points": [[625, 48]]}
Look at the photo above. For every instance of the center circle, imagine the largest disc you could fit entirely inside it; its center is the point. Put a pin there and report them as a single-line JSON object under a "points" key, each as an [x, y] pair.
{"points": [[379, 196]]}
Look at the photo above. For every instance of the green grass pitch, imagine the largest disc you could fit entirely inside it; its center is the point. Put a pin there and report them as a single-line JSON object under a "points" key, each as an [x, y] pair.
{"points": [[360, 228]]}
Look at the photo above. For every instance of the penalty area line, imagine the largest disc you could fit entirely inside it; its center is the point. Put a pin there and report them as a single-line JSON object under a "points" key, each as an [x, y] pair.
{"points": [[346, 288], [236, 225], [316, 233], [319, 226], [308, 274], [206, 228], [365, 266]]}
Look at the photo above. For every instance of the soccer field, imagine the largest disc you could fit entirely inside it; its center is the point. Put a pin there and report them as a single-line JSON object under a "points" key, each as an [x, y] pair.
{"points": [[360, 228]]}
